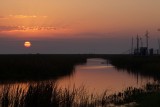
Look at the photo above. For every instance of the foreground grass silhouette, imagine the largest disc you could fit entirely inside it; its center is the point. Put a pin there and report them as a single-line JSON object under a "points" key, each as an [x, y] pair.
{"points": [[49, 95]]}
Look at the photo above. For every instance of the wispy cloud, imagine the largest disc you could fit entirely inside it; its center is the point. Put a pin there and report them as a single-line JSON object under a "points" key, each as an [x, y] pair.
{"points": [[27, 16], [24, 28], [23, 16], [3, 17], [10, 28], [40, 28], [44, 16]]}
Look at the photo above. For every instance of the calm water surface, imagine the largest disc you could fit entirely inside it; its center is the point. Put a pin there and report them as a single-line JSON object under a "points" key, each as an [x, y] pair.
{"points": [[97, 76]]}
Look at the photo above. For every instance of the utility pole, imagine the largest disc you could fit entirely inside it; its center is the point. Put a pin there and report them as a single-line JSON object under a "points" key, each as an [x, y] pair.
{"points": [[158, 42], [159, 46], [137, 44], [141, 42], [147, 36], [132, 46]]}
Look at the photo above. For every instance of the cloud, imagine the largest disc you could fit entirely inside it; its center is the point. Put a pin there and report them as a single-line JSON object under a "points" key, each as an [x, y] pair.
{"points": [[10, 28], [23, 16], [3, 17], [23, 28], [44, 16], [26, 16], [49, 28], [40, 28]]}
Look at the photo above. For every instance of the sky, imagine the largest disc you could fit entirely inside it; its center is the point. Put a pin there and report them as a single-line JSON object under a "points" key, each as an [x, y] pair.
{"points": [[76, 26]]}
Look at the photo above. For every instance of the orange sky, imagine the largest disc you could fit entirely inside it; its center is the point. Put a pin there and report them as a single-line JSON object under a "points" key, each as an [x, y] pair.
{"points": [[77, 26], [51, 17]]}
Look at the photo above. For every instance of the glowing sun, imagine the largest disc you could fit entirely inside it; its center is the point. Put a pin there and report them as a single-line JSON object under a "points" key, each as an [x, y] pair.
{"points": [[27, 44]]}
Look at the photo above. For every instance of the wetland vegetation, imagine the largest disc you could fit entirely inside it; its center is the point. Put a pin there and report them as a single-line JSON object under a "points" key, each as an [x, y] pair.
{"points": [[49, 95]]}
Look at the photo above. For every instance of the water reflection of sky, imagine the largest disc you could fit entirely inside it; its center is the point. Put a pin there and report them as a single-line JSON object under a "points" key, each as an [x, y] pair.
{"points": [[98, 76]]}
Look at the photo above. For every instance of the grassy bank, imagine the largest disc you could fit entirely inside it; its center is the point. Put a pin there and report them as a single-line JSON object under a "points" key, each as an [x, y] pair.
{"points": [[143, 97], [48, 95]]}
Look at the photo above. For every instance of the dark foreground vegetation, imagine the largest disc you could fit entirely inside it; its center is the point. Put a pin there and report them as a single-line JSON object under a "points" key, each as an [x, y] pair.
{"points": [[48, 95]]}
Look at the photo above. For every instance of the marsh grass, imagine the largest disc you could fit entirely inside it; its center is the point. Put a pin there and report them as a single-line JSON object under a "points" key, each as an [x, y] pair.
{"points": [[49, 95]]}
